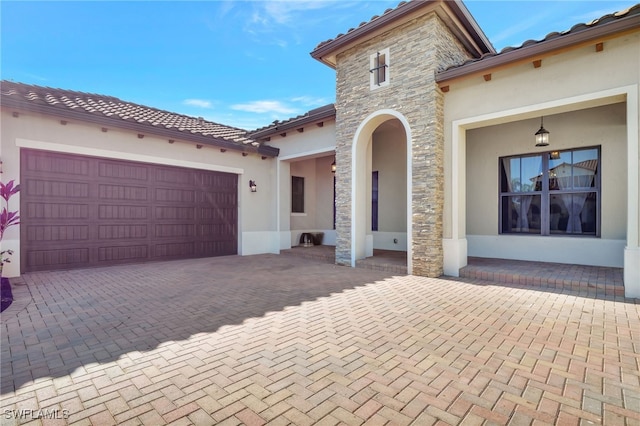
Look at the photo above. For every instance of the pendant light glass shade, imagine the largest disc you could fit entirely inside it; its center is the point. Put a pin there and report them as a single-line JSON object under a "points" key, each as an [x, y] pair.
{"points": [[542, 135]]}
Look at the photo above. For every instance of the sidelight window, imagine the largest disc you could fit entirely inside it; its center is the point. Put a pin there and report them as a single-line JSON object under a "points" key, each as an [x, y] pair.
{"points": [[297, 194]]}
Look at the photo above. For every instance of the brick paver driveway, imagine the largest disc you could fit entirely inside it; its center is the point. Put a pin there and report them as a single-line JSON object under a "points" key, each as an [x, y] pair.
{"points": [[281, 340]]}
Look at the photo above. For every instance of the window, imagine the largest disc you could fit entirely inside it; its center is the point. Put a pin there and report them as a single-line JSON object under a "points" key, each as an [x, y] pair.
{"points": [[553, 193], [379, 69], [334, 202], [297, 194], [374, 201]]}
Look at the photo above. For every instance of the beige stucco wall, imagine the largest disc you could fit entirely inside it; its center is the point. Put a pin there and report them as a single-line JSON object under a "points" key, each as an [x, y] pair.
{"points": [[257, 220], [307, 154], [563, 90], [318, 194], [390, 160], [313, 139], [564, 75]]}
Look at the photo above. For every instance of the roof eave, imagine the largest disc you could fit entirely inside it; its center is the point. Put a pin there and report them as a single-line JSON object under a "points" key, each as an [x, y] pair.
{"points": [[471, 25], [102, 120], [323, 114], [607, 30], [321, 52], [328, 50]]}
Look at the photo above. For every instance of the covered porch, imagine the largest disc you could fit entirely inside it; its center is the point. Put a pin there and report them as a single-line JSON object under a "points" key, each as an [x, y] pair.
{"points": [[602, 196]]}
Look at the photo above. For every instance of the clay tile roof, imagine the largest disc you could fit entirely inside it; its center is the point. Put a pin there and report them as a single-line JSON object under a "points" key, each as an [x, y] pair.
{"points": [[608, 24], [402, 10], [314, 116], [587, 164], [109, 110], [363, 23]]}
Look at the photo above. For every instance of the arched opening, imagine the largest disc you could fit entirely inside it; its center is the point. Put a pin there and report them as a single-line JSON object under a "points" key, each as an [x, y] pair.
{"points": [[381, 190]]}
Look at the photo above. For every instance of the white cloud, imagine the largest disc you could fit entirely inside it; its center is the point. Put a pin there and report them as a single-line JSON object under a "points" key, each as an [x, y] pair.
{"points": [[520, 27], [283, 11], [310, 101], [285, 21], [37, 77], [262, 107], [200, 103], [260, 113], [239, 120]]}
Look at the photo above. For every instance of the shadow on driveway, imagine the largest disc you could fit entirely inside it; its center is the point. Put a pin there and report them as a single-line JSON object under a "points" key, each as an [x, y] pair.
{"points": [[90, 316]]}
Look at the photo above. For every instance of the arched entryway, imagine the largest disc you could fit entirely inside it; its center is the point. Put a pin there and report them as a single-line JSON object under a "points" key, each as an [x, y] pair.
{"points": [[381, 189]]}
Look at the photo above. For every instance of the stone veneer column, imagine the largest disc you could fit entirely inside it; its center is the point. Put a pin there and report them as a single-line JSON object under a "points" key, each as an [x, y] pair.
{"points": [[427, 198], [417, 50], [343, 189]]}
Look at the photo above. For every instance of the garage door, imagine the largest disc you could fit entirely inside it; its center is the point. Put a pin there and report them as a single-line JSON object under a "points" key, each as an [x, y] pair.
{"points": [[79, 212]]}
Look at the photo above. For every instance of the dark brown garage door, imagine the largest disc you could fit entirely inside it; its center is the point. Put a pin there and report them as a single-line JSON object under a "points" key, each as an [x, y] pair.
{"points": [[79, 212]]}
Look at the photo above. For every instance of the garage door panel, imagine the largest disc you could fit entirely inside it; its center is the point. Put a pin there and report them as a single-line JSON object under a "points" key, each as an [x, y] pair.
{"points": [[39, 260], [123, 212], [218, 181], [58, 164], [215, 229], [220, 199], [175, 230], [179, 177], [122, 192], [123, 253], [211, 247], [122, 231], [130, 212], [57, 233], [50, 188], [118, 171], [61, 211], [174, 213], [217, 214], [175, 249], [175, 195]]}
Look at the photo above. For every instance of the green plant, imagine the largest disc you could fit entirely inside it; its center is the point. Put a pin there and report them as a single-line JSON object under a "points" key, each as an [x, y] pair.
{"points": [[7, 218]]}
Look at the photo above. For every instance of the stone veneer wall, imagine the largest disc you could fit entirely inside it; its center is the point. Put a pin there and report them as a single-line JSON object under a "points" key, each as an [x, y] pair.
{"points": [[418, 49]]}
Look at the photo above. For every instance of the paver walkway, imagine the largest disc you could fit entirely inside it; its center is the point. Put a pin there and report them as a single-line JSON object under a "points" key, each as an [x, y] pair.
{"points": [[282, 340]]}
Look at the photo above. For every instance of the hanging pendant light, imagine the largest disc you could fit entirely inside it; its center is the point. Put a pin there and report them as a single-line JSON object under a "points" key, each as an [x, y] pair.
{"points": [[542, 135]]}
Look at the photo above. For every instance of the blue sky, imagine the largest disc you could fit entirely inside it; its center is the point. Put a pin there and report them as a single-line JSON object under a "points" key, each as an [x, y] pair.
{"points": [[239, 63]]}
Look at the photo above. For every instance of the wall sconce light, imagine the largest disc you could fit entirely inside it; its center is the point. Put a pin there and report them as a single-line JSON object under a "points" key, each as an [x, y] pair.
{"points": [[0, 166], [542, 135], [333, 166], [253, 186]]}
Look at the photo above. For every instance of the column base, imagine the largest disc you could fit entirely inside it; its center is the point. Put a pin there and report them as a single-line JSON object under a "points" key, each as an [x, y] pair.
{"points": [[455, 256], [632, 272]]}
